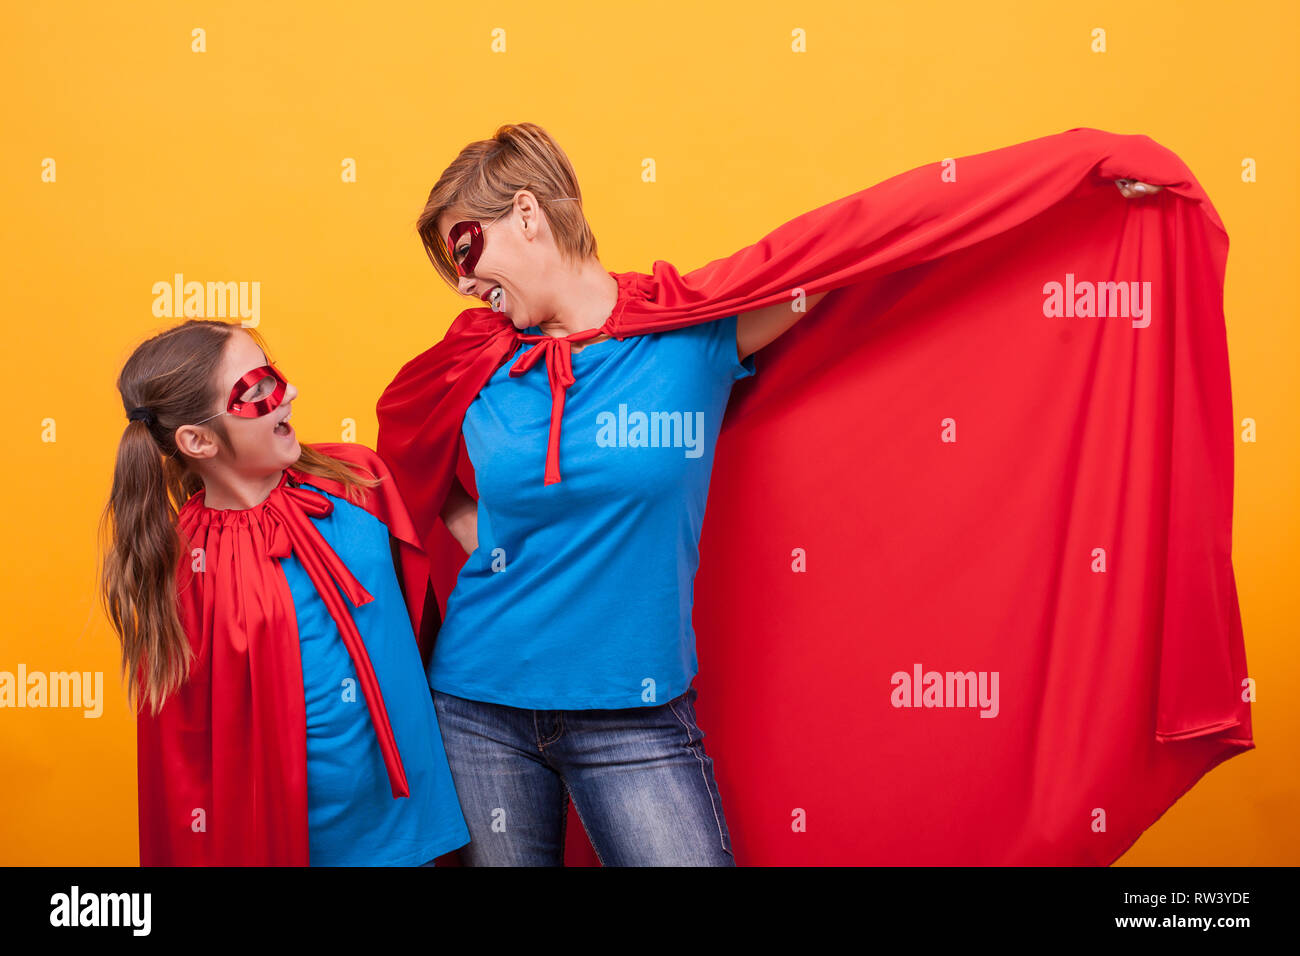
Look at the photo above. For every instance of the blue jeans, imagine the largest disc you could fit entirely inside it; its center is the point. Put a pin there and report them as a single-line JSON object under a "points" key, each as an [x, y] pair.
{"points": [[639, 778]]}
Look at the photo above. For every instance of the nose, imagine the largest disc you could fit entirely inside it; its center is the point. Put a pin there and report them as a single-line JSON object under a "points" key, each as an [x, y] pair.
{"points": [[291, 392], [466, 284]]}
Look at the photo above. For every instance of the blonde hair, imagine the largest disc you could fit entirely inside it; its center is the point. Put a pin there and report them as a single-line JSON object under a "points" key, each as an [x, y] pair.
{"points": [[481, 183]]}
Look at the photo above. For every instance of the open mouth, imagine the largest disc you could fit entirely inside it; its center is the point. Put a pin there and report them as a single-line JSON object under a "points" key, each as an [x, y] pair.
{"points": [[496, 298], [284, 428]]}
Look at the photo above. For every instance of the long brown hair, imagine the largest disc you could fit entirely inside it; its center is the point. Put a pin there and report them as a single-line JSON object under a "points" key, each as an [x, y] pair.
{"points": [[174, 375], [482, 181]]}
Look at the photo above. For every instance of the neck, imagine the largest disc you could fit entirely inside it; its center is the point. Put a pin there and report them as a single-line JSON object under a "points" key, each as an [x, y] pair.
{"points": [[229, 492], [584, 298]]}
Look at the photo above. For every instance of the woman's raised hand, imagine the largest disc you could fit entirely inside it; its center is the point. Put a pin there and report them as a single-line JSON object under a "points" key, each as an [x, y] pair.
{"points": [[1130, 188]]}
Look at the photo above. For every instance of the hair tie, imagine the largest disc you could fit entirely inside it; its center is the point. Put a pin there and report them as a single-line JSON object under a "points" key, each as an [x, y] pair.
{"points": [[142, 414]]}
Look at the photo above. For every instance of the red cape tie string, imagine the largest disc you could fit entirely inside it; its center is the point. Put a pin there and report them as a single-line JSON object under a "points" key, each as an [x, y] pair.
{"points": [[556, 351], [286, 522]]}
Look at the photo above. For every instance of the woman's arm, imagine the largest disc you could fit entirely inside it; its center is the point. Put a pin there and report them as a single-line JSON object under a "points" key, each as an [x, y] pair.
{"points": [[460, 515], [758, 328]]}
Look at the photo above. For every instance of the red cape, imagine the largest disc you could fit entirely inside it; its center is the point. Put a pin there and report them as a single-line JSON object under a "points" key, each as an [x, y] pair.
{"points": [[223, 767], [936, 472]]}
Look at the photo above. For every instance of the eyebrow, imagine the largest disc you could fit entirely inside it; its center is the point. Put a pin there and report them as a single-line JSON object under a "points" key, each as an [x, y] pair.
{"points": [[256, 367]]}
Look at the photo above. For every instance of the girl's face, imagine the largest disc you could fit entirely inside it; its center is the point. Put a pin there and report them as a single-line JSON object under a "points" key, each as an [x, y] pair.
{"points": [[261, 446]]}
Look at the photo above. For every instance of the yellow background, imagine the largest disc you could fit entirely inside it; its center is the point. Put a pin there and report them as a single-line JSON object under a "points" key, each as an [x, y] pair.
{"points": [[225, 165]]}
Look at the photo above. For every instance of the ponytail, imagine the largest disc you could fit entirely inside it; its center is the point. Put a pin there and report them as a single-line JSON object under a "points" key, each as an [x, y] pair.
{"points": [[143, 549]]}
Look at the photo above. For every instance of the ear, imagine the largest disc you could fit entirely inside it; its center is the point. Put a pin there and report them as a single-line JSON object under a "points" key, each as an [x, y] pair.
{"points": [[528, 207], [194, 441]]}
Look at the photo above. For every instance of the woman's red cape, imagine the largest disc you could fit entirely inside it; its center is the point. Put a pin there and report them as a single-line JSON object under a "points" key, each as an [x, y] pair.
{"points": [[939, 472]]}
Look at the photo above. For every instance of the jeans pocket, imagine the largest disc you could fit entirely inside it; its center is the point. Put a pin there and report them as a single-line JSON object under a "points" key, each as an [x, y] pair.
{"points": [[684, 711]]}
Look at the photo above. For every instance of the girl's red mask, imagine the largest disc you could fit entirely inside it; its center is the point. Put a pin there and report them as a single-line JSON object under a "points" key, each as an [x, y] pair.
{"points": [[254, 408]]}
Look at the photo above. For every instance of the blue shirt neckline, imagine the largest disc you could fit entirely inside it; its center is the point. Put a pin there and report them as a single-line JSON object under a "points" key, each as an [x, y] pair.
{"points": [[586, 346]]}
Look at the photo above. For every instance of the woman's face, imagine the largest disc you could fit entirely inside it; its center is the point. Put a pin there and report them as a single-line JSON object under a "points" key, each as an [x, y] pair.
{"points": [[261, 446], [516, 251]]}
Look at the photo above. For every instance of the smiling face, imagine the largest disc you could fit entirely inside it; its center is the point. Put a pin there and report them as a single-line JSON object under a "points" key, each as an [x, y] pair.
{"points": [[518, 250], [259, 446]]}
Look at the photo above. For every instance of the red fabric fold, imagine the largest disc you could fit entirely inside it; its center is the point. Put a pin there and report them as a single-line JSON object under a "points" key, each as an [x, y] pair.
{"points": [[222, 768], [935, 470]]}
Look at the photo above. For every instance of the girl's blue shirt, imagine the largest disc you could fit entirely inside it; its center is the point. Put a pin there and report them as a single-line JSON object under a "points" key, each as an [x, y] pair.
{"points": [[353, 818]]}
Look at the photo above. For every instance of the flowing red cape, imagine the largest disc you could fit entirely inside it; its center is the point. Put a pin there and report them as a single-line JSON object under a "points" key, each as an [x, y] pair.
{"points": [[223, 766], [950, 472]]}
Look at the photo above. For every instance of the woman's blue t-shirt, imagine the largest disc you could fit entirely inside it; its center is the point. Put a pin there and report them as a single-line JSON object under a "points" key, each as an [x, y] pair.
{"points": [[353, 818], [579, 593]]}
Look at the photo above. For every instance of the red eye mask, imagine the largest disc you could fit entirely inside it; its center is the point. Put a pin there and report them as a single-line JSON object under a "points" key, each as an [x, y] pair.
{"points": [[256, 380]]}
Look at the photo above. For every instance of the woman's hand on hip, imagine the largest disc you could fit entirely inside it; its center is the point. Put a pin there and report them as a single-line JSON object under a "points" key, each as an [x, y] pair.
{"points": [[460, 515]]}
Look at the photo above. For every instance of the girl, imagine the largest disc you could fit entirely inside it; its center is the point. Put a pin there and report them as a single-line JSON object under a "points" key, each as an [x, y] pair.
{"points": [[278, 723]]}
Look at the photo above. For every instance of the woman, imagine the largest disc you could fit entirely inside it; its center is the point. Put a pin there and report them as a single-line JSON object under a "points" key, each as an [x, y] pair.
{"points": [[564, 665], [282, 726]]}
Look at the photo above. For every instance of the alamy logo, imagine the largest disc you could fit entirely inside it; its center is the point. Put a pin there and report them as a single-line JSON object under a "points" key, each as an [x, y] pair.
{"points": [[102, 909], [212, 300], [83, 689], [1098, 300], [950, 689], [651, 430]]}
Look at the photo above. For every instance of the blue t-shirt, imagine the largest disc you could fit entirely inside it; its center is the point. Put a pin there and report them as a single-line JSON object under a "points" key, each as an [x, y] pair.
{"points": [[579, 593], [353, 818]]}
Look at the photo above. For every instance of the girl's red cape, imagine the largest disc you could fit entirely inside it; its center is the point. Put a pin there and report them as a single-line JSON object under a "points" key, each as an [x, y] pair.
{"points": [[222, 768]]}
